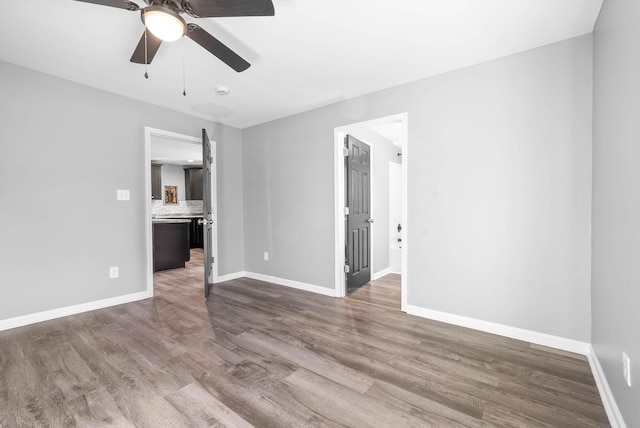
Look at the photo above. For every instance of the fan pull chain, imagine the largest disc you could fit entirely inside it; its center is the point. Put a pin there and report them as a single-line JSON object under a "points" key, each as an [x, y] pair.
{"points": [[184, 69], [146, 75]]}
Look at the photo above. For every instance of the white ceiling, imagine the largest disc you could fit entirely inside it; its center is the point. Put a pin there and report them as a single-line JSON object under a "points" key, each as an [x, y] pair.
{"points": [[175, 152], [312, 53]]}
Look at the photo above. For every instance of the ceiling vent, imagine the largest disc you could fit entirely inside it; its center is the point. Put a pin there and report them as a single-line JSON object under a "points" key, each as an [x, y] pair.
{"points": [[222, 90]]}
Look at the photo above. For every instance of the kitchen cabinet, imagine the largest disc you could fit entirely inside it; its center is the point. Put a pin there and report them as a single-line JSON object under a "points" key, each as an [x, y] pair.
{"points": [[170, 244], [156, 181], [193, 184], [196, 234]]}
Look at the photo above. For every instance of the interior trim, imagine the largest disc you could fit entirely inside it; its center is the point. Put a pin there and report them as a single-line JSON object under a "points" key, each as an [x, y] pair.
{"points": [[230, 276], [608, 400], [381, 273], [149, 133], [72, 310], [339, 134], [292, 284], [538, 338]]}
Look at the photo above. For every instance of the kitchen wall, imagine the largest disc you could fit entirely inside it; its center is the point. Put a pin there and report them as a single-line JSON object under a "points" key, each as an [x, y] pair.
{"points": [[66, 148], [616, 199], [499, 190], [173, 175]]}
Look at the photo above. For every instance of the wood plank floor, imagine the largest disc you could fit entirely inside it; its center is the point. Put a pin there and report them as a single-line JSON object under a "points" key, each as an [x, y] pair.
{"points": [[383, 292], [262, 355]]}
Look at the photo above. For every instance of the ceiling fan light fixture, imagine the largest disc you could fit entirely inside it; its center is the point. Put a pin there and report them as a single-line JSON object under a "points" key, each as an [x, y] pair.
{"points": [[164, 23]]}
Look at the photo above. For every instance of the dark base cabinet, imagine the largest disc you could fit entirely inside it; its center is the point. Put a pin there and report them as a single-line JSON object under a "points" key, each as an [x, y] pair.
{"points": [[196, 234], [170, 245]]}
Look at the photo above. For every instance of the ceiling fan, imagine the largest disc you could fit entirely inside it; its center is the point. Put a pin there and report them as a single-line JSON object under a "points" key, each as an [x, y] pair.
{"points": [[162, 19]]}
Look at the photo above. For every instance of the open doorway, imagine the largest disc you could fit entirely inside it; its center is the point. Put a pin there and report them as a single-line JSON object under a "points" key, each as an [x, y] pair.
{"points": [[381, 143], [177, 193]]}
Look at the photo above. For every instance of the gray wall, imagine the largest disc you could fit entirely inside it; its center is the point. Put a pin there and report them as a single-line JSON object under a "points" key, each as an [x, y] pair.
{"points": [[499, 189], [66, 148], [616, 199], [173, 175], [383, 152], [288, 197], [230, 201]]}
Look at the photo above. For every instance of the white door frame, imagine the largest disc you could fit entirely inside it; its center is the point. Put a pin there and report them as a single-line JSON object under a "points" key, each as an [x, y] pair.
{"points": [[339, 134], [148, 134]]}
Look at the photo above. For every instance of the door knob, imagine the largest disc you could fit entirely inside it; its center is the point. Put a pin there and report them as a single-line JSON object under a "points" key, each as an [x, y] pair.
{"points": [[204, 221], [369, 220]]}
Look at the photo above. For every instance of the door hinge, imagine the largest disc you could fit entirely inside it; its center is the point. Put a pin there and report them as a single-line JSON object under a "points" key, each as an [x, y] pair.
{"points": [[346, 268], [345, 152], [213, 259], [346, 210]]}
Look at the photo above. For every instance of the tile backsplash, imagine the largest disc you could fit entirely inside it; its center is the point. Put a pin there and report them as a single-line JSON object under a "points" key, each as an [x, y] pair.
{"points": [[181, 208]]}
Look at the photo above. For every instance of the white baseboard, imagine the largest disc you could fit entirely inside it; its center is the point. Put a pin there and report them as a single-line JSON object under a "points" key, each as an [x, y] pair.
{"points": [[293, 284], [608, 401], [72, 310], [230, 276], [380, 274], [105, 303], [503, 330]]}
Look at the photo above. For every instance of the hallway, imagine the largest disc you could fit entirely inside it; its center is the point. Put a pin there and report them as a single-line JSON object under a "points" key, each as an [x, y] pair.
{"points": [[384, 292]]}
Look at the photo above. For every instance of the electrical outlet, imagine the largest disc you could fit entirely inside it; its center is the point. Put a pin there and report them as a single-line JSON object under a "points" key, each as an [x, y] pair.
{"points": [[123, 194], [113, 272], [266, 256], [626, 368]]}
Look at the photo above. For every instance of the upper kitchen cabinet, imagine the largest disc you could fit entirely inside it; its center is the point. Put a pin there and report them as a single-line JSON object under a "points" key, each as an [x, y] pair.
{"points": [[156, 181], [193, 183]]}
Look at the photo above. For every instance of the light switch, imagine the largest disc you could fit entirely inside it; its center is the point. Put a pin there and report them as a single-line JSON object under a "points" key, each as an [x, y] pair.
{"points": [[123, 194]]}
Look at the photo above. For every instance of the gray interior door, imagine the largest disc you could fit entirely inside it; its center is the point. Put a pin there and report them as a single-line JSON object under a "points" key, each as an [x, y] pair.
{"points": [[358, 195], [208, 213]]}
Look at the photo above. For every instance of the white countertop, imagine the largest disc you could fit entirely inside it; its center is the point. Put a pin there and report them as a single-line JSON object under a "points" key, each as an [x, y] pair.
{"points": [[161, 216], [171, 220]]}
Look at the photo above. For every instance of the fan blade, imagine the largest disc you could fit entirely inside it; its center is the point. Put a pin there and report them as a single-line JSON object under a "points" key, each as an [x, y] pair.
{"points": [[121, 4], [153, 43], [222, 8], [216, 47]]}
